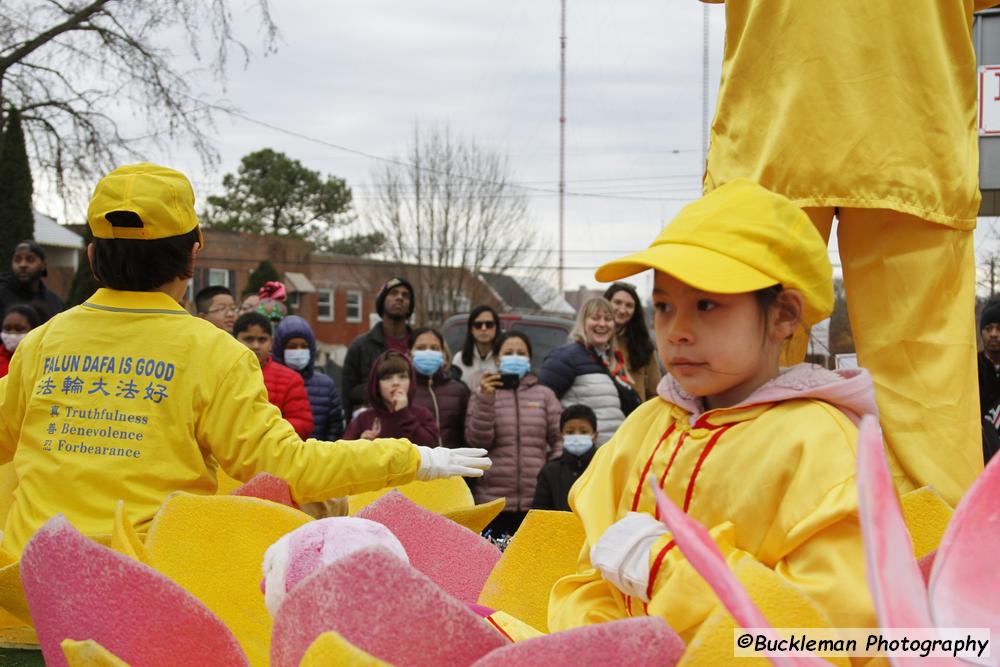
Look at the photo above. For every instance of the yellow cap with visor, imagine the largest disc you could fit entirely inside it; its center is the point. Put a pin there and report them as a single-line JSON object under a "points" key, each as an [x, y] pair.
{"points": [[739, 238], [143, 201]]}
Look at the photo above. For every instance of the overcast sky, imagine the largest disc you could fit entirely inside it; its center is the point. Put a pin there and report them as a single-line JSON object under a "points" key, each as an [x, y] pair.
{"points": [[361, 74]]}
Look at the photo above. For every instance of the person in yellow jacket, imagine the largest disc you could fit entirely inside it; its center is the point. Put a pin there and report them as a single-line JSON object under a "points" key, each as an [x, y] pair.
{"points": [[867, 111], [128, 397], [763, 457]]}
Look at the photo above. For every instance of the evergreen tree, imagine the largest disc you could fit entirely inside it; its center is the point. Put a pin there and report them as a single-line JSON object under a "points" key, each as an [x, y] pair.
{"points": [[17, 221], [264, 272]]}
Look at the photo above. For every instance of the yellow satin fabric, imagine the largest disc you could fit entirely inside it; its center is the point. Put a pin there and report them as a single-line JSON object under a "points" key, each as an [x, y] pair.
{"points": [[911, 298], [778, 485], [852, 103]]}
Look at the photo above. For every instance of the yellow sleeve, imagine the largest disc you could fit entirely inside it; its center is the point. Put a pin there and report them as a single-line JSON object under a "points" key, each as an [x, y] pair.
{"points": [[246, 435], [985, 4], [11, 409]]}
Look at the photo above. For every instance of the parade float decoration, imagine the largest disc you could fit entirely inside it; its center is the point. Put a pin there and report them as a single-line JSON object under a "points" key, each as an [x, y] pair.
{"points": [[192, 590]]}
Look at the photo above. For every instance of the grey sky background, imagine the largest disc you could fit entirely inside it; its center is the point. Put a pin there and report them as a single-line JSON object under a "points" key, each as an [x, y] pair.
{"points": [[362, 74]]}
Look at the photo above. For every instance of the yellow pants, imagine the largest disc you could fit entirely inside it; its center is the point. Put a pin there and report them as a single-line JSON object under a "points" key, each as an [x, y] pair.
{"points": [[910, 288]]}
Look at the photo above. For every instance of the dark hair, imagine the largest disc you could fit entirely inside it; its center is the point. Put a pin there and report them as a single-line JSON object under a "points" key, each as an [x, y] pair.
{"points": [[469, 346], [766, 298], [143, 265], [578, 411], [638, 344], [420, 331], [30, 314], [203, 299], [505, 336], [391, 363], [247, 320]]}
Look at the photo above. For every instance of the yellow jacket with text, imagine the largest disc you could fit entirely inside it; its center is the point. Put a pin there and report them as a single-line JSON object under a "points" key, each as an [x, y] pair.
{"points": [[772, 478], [129, 397]]}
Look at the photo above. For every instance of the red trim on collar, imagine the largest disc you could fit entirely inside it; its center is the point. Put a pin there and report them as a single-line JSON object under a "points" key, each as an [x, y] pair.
{"points": [[697, 466], [649, 464], [670, 463]]}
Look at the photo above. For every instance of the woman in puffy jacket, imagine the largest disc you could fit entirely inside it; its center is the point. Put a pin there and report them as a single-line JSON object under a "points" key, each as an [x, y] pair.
{"points": [[589, 370], [295, 347], [445, 397], [515, 418]]}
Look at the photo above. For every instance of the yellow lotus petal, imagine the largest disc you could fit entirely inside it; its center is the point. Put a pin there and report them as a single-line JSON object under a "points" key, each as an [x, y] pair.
{"points": [[512, 628], [477, 517], [927, 515], [19, 637], [439, 495], [89, 653], [544, 549], [330, 648], [124, 538], [12, 598], [782, 603], [214, 546]]}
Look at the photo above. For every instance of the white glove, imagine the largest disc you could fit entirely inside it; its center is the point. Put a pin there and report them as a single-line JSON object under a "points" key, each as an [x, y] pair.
{"points": [[622, 553], [444, 462]]}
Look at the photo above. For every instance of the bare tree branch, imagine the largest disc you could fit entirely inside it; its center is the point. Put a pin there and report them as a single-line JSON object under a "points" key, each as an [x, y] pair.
{"points": [[71, 68], [452, 212]]}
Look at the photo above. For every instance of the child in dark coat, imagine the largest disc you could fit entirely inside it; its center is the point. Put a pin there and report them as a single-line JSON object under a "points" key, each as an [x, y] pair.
{"points": [[578, 425]]}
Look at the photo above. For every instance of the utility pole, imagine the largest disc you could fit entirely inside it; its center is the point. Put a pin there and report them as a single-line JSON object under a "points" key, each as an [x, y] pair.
{"points": [[562, 143]]}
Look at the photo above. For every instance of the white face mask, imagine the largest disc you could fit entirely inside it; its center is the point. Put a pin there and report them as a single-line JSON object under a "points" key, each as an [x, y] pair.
{"points": [[10, 340], [578, 443], [297, 359]]}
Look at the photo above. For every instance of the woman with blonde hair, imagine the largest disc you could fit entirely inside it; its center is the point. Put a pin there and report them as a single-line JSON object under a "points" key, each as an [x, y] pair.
{"points": [[589, 370]]}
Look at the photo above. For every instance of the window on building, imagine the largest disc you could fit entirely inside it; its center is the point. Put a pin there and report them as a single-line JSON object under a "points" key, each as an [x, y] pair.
{"points": [[353, 306], [324, 305], [218, 277]]}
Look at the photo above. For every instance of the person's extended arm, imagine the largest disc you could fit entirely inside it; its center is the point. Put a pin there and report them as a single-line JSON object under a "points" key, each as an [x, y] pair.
{"points": [[247, 435]]}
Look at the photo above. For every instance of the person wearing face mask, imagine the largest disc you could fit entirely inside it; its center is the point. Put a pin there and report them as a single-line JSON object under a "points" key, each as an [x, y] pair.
{"points": [[578, 425], [591, 370], [295, 347], [437, 391], [516, 418], [18, 320]]}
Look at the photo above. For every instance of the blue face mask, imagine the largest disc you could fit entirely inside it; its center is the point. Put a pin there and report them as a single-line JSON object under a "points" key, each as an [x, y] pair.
{"points": [[516, 364], [427, 362], [577, 444]]}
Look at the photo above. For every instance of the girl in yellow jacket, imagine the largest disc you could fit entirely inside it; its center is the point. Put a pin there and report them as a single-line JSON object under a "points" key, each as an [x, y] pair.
{"points": [[764, 457]]}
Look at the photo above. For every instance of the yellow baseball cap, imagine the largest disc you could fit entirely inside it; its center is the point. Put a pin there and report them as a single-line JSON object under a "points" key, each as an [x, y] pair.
{"points": [[739, 238], [143, 201]]}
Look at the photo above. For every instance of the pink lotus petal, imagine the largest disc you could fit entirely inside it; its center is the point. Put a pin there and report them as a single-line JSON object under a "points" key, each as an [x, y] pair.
{"points": [[893, 576], [384, 607], [78, 589], [455, 558], [964, 586], [703, 554], [267, 487], [637, 642]]}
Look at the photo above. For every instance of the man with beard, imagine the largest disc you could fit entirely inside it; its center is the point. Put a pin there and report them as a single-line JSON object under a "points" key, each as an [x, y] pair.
{"points": [[24, 283], [394, 304]]}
